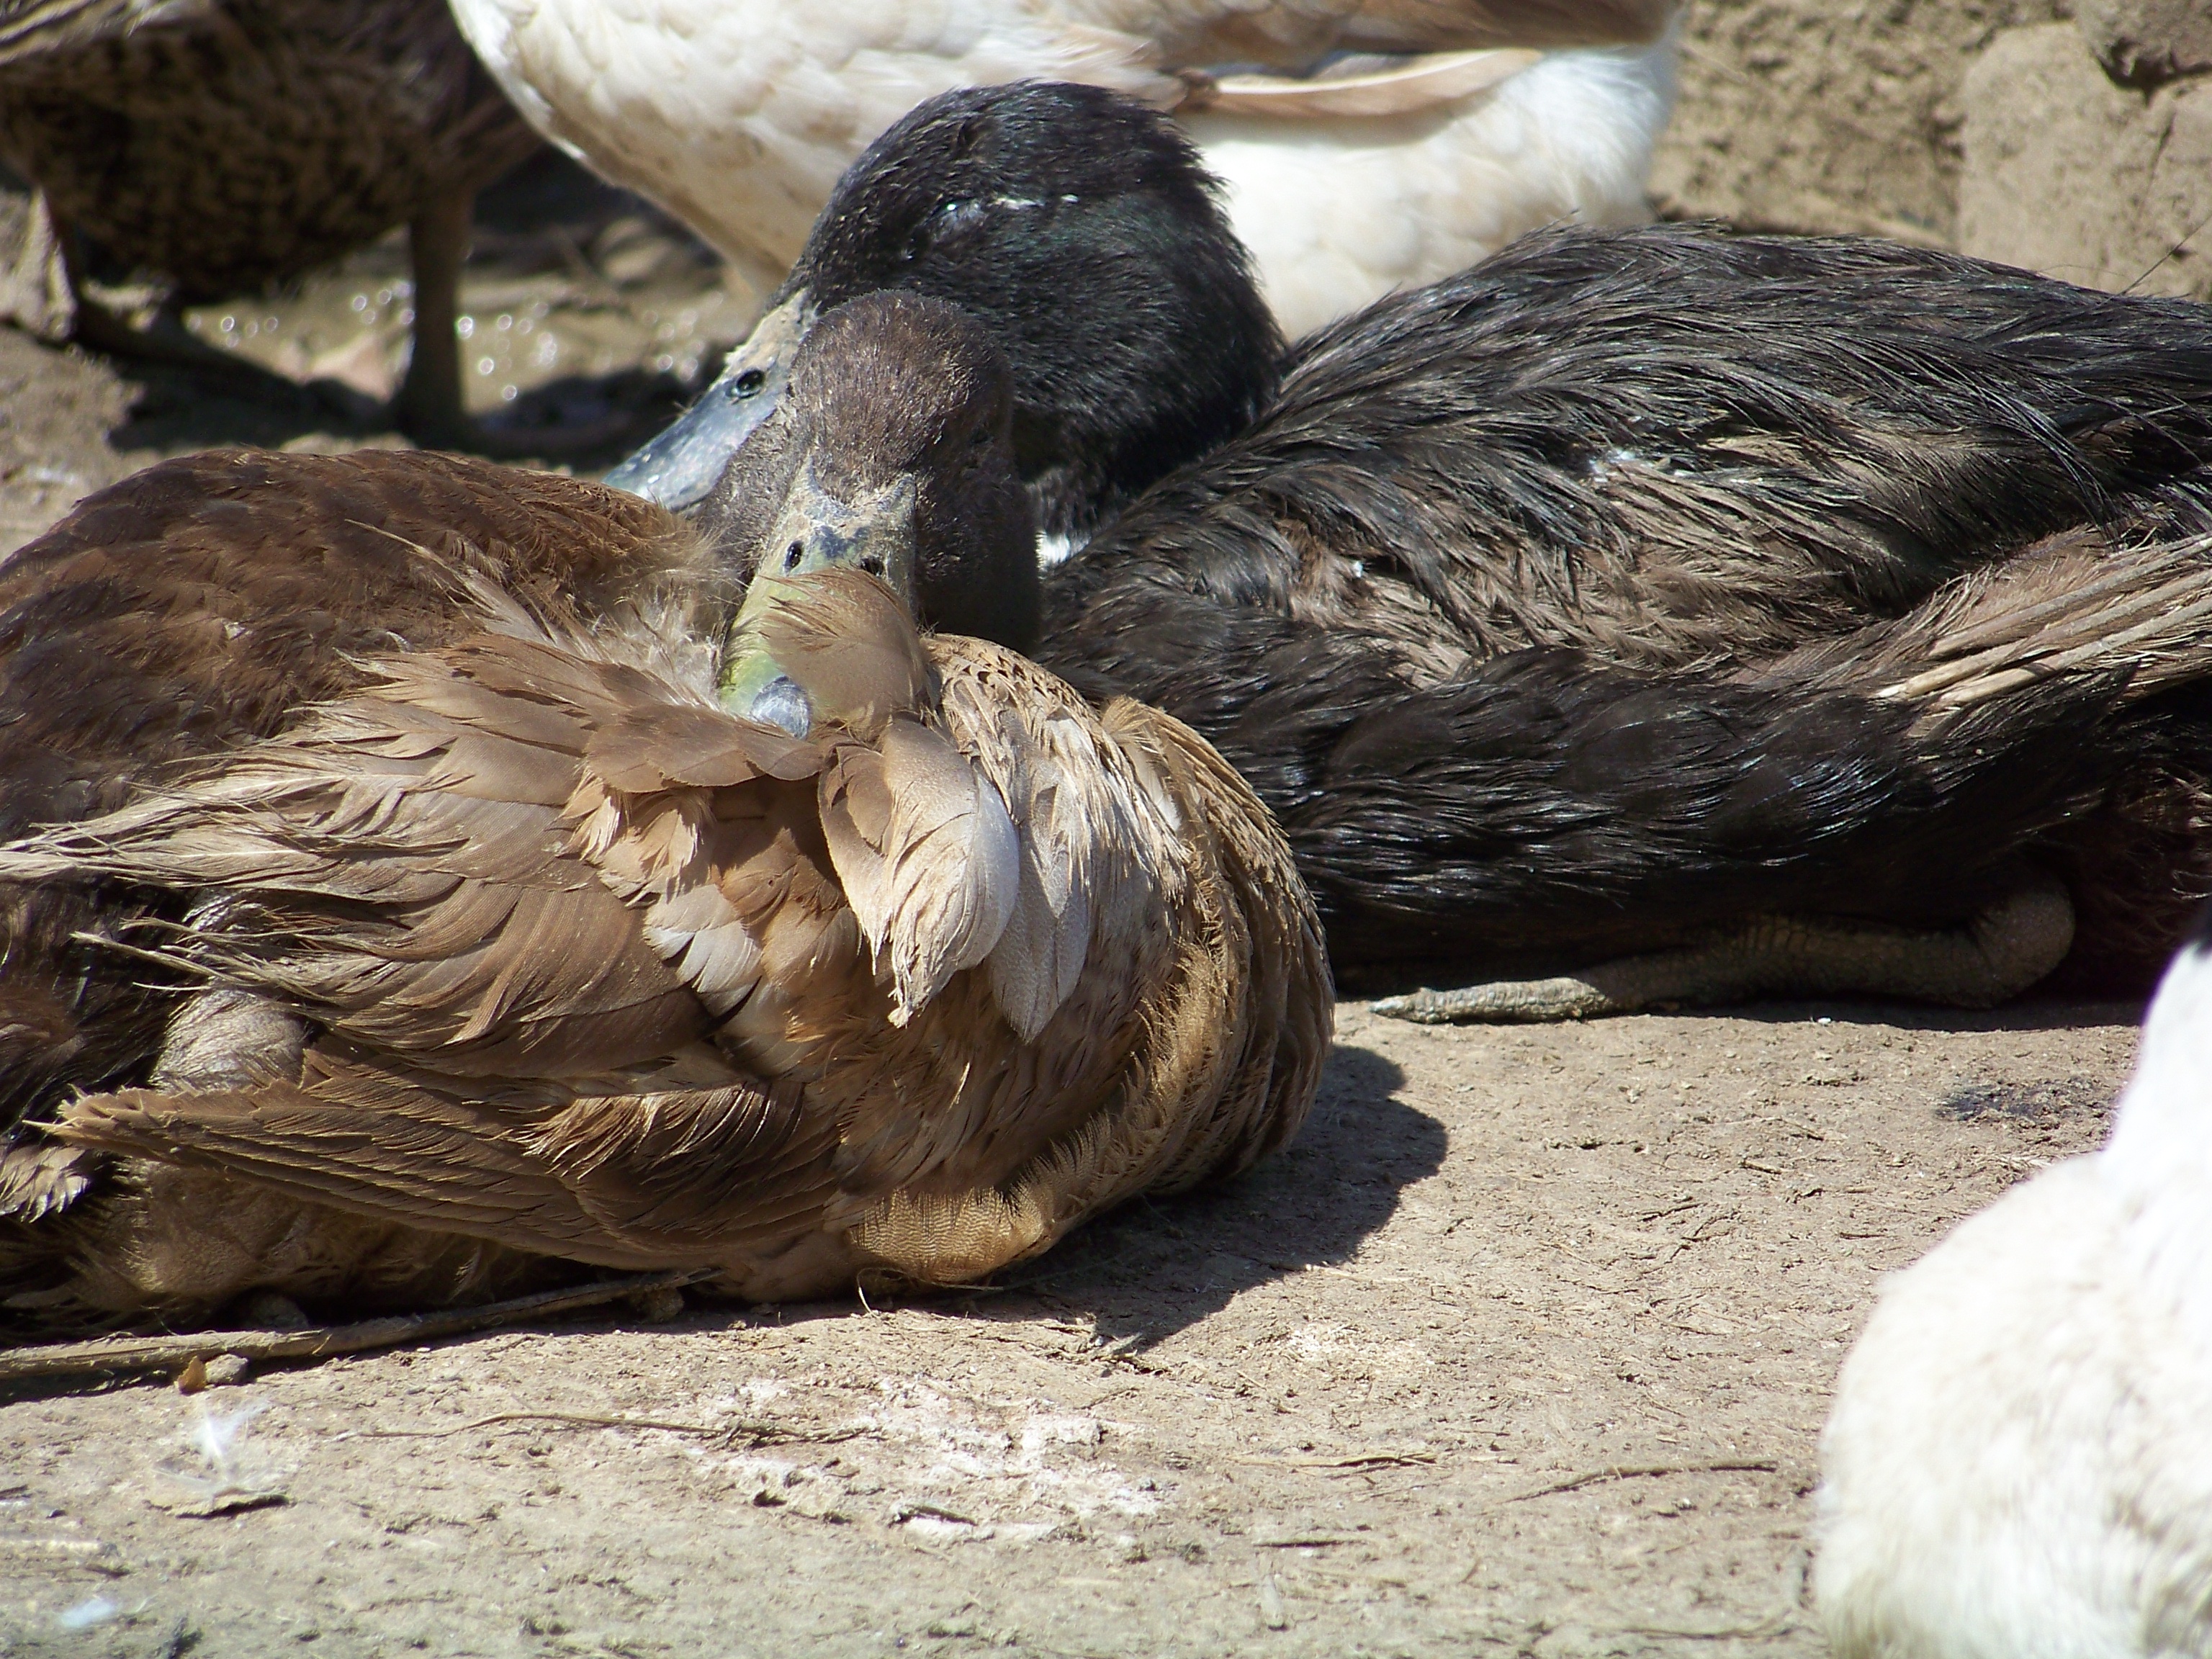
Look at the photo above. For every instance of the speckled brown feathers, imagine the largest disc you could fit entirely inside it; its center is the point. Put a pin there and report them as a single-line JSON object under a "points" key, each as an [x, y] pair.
{"points": [[231, 143], [566, 960]]}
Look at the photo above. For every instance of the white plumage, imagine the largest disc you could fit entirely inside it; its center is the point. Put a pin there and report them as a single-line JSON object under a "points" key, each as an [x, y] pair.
{"points": [[1339, 213], [740, 115], [2019, 1465]]}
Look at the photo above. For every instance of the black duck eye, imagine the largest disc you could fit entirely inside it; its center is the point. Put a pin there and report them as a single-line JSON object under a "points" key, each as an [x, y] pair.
{"points": [[791, 556], [872, 565], [748, 384], [979, 438]]}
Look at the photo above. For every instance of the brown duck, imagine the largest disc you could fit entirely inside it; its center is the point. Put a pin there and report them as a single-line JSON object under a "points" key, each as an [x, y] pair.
{"points": [[231, 144], [534, 936]]}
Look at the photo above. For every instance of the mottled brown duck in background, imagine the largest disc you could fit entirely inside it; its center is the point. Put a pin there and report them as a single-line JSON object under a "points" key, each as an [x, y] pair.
{"points": [[227, 144], [540, 938]]}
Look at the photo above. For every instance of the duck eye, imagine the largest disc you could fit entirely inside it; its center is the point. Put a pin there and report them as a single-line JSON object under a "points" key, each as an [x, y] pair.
{"points": [[791, 556], [979, 438], [748, 384], [872, 565]]}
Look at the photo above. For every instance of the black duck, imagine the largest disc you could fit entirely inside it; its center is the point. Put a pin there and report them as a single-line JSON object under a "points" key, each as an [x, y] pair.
{"points": [[1558, 609]]}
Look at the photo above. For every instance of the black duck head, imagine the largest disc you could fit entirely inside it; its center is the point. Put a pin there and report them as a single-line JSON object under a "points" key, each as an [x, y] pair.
{"points": [[889, 453], [1080, 229]]}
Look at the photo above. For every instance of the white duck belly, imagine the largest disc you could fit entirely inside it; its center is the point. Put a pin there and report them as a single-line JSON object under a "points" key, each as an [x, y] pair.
{"points": [[738, 116]]}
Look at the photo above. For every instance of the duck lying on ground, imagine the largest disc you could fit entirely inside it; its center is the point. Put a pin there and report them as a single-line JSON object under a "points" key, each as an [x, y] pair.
{"points": [[1383, 142], [1559, 609], [2017, 1462], [231, 144], [553, 935]]}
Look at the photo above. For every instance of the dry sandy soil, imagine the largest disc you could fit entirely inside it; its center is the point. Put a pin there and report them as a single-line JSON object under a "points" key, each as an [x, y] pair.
{"points": [[1522, 1348]]}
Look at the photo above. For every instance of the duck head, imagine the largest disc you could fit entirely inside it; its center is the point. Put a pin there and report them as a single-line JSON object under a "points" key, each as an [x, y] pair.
{"points": [[1081, 230], [890, 453]]}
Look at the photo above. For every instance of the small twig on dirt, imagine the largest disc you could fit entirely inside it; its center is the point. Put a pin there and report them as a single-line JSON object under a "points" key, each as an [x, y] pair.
{"points": [[1632, 1471], [761, 1434], [1361, 1460], [130, 1354], [1781, 1622], [905, 1512], [93, 1554]]}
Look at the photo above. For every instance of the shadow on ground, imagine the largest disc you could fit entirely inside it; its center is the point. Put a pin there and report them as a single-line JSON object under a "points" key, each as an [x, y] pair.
{"points": [[1158, 1266]]}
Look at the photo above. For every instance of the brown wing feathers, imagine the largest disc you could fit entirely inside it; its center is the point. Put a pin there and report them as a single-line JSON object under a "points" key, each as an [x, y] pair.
{"points": [[588, 962]]}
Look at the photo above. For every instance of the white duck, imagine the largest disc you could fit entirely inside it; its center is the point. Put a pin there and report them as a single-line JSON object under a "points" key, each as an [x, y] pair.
{"points": [[2019, 1461], [1391, 142]]}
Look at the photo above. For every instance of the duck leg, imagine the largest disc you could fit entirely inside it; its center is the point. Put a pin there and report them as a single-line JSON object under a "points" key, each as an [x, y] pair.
{"points": [[42, 293], [429, 408], [1998, 954], [36, 293]]}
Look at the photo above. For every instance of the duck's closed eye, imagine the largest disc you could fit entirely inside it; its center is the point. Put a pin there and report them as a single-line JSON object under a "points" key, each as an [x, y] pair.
{"points": [[950, 219]]}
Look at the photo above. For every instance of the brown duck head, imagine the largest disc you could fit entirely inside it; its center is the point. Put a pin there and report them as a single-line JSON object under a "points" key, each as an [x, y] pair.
{"points": [[891, 455]]}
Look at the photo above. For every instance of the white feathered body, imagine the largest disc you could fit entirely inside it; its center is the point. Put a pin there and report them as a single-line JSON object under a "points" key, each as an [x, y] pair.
{"points": [[2019, 1465], [738, 116], [1339, 213]]}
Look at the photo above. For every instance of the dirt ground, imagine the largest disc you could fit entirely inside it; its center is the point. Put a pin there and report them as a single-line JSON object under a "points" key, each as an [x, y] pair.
{"points": [[1522, 1348]]}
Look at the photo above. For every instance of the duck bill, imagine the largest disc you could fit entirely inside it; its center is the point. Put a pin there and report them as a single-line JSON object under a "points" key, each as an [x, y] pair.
{"points": [[679, 468], [869, 529]]}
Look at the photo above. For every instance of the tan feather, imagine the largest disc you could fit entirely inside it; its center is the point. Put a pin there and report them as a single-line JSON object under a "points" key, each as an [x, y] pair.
{"points": [[41, 1178], [1041, 954], [935, 885], [1425, 82], [845, 639]]}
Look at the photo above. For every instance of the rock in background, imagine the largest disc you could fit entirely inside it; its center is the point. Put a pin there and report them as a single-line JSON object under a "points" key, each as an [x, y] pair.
{"points": [[2082, 148], [2074, 171]]}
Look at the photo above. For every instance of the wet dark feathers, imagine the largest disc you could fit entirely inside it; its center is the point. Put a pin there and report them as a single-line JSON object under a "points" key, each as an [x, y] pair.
{"points": [[1482, 606]]}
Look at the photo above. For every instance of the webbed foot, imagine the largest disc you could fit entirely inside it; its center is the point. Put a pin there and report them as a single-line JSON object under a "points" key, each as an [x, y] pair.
{"points": [[1993, 958]]}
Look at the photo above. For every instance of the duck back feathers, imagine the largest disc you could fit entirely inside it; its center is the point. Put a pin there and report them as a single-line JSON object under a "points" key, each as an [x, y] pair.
{"points": [[197, 607], [568, 961], [1669, 447]]}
